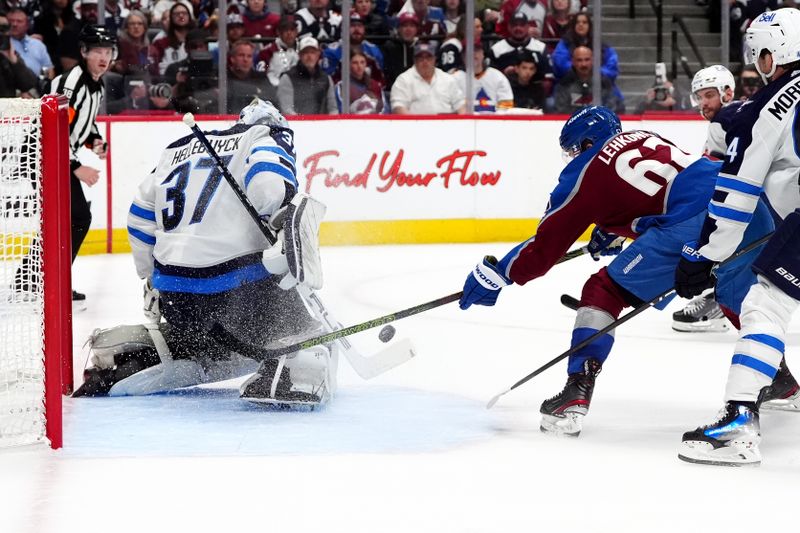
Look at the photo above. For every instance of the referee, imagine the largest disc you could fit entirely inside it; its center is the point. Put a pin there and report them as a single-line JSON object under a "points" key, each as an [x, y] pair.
{"points": [[83, 86]]}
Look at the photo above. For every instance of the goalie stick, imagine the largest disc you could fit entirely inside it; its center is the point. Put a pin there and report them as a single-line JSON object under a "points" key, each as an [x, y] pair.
{"points": [[388, 358], [655, 301]]}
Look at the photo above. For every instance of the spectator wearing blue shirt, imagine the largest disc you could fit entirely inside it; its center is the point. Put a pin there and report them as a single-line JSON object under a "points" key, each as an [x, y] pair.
{"points": [[332, 56], [580, 34], [32, 51]]}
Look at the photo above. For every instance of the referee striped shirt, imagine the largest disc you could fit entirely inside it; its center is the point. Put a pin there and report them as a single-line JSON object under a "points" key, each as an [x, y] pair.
{"points": [[84, 96]]}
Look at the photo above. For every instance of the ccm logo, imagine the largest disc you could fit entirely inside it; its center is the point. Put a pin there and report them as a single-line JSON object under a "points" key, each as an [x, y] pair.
{"points": [[688, 250], [791, 278], [481, 276]]}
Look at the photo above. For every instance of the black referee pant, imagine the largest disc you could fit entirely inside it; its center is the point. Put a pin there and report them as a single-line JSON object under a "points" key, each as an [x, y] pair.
{"points": [[81, 216]]}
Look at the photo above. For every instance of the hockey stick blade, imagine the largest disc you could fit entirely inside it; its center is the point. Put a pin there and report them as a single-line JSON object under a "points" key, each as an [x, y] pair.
{"points": [[570, 302], [392, 356], [655, 301]]}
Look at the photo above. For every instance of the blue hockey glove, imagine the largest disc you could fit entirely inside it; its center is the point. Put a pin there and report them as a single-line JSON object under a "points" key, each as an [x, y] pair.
{"points": [[483, 284], [604, 243], [694, 273]]}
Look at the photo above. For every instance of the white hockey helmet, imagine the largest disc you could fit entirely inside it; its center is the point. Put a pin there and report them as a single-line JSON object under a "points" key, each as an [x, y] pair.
{"points": [[262, 112], [778, 32], [715, 76]]}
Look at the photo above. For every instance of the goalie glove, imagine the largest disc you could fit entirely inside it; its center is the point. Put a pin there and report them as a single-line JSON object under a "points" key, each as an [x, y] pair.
{"points": [[301, 241], [295, 255], [151, 308]]}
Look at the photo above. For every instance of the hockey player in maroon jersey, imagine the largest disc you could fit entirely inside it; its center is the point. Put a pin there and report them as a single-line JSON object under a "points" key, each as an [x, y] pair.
{"points": [[632, 184]]}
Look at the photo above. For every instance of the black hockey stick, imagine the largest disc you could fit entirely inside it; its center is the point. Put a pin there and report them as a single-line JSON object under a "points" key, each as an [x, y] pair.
{"points": [[656, 300], [570, 302], [256, 352], [188, 119]]}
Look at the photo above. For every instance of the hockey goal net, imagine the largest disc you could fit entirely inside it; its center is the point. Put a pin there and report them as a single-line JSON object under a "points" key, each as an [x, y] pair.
{"points": [[35, 289]]}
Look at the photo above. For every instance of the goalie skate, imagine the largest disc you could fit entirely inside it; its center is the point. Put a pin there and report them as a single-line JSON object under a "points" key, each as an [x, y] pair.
{"points": [[732, 440], [784, 392], [563, 414], [702, 314]]}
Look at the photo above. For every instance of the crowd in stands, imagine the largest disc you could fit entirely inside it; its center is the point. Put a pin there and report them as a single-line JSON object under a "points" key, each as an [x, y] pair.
{"points": [[406, 56]]}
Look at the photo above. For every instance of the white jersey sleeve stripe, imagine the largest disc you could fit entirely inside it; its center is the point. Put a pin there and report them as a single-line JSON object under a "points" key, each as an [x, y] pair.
{"points": [[725, 213], [142, 236], [735, 184], [276, 150], [276, 168], [142, 213]]}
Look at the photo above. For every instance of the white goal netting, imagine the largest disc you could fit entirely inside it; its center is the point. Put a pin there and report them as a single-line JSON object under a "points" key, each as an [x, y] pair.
{"points": [[22, 413]]}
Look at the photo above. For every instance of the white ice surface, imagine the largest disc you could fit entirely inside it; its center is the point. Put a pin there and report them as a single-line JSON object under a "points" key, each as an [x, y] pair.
{"points": [[413, 450]]}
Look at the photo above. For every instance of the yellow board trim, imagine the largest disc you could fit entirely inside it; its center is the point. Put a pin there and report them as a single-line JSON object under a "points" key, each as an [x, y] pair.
{"points": [[379, 232]]}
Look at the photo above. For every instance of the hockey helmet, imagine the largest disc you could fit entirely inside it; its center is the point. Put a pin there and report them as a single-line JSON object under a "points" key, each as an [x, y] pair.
{"points": [[777, 32], [593, 124], [94, 36], [715, 76], [262, 112]]}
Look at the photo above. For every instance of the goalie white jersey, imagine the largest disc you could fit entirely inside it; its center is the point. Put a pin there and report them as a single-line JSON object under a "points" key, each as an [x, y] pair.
{"points": [[762, 159], [187, 228]]}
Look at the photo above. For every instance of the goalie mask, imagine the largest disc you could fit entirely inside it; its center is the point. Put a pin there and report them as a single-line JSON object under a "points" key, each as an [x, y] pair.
{"points": [[262, 112]]}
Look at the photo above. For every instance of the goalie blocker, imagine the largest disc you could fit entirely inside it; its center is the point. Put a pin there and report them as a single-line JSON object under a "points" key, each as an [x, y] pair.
{"points": [[296, 252]]}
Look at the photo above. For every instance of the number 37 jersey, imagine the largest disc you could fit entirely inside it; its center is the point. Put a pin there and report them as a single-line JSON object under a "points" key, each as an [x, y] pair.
{"points": [[633, 181], [187, 227]]}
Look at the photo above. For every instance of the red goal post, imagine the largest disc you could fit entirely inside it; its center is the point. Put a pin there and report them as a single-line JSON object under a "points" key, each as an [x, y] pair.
{"points": [[35, 270]]}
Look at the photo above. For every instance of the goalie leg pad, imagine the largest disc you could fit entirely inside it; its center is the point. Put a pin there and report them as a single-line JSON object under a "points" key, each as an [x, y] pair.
{"points": [[301, 240], [169, 375], [116, 354], [307, 377]]}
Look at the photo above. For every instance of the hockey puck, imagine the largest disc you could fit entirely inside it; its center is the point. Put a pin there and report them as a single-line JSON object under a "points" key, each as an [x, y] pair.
{"points": [[387, 333]]}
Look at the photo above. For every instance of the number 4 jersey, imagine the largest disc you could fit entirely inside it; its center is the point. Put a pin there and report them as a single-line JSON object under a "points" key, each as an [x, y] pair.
{"points": [[761, 160], [188, 229], [633, 181]]}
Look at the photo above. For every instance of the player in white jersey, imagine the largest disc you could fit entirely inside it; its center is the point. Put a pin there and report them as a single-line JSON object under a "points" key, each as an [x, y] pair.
{"points": [[712, 93], [492, 89], [208, 274], [762, 159]]}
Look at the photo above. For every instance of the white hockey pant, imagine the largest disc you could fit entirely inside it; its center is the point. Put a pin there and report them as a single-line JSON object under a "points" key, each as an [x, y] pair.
{"points": [[766, 311]]}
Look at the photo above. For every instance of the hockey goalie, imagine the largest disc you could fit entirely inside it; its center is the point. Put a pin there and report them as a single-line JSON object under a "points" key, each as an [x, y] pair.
{"points": [[213, 283]]}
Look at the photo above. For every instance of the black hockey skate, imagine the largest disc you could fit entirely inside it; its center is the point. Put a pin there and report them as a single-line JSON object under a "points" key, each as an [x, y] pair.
{"points": [[563, 413], [702, 314], [265, 386], [784, 392], [732, 440]]}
